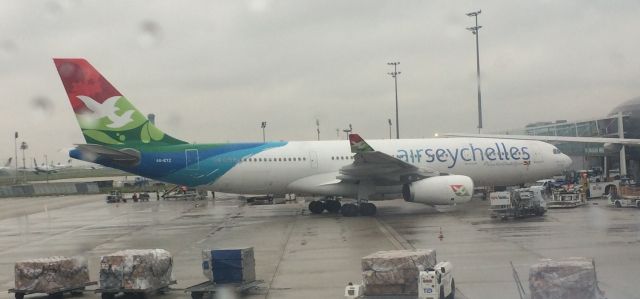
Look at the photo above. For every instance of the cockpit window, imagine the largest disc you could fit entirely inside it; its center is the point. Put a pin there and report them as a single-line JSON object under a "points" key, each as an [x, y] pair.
{"points": [[556, 151]]}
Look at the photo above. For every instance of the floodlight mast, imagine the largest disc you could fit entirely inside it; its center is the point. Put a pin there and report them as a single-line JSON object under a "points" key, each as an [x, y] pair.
{"points": [[395, 74], [476, 31]]}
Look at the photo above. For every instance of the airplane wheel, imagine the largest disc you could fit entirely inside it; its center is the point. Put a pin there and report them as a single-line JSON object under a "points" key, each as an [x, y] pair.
{"points": [[349, 210], [316, 207], [367, 209], [618, 204], [332, 206]]}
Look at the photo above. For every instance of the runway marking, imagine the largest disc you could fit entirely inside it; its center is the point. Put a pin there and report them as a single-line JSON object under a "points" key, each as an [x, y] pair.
{"points": [[284, 250], [393, 236]]}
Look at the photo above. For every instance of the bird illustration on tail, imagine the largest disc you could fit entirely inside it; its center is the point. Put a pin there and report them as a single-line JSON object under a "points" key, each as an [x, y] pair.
{"points": [[108, 109]]}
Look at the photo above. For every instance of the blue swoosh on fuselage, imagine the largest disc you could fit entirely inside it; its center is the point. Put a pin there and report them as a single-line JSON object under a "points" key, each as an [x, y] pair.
{"points": [[214, 161]]}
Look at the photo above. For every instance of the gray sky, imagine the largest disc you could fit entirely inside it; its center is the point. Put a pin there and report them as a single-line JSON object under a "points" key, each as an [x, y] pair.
{"points": [[213, 70]]}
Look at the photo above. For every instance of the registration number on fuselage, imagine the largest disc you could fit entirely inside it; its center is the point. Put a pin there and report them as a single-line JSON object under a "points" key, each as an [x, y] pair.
{"points": [[163, 160]]}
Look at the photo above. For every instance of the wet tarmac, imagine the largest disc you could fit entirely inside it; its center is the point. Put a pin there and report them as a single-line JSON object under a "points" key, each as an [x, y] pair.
{"points": [[313, 256]]}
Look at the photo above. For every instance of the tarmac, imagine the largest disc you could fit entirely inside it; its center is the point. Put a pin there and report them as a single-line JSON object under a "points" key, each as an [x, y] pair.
{"points": [[299, 255]]}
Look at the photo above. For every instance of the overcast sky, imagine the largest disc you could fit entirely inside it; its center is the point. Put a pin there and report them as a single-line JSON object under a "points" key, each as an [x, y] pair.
{"points": [[213, 70]]}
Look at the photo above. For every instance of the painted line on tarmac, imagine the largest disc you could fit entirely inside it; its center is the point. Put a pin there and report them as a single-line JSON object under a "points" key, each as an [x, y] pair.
{"points": [[400, 242], [393, 236]]}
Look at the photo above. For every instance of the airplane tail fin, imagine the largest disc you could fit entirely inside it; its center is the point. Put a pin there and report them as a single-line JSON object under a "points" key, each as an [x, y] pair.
{"points": [[8, 163], [358, 145], [105, 116]]}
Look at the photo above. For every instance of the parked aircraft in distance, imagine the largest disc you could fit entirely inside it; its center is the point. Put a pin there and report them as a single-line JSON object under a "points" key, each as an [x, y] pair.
{"points": [[6, 168], [51, 168], [432, 171]]}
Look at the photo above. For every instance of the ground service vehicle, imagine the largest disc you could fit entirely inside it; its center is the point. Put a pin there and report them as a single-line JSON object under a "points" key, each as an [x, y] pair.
{"points": [[436, 283], [624, 202], [523, 202], [114, 196]]}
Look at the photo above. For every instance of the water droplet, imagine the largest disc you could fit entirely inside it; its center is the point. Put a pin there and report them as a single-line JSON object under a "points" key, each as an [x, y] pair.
{"points": [[41, 108], [150, 34], [258, 5]]}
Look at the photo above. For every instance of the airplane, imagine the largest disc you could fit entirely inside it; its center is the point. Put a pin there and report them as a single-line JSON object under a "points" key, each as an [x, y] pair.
{"points": [[60, 166], [432, 171], [6, 168], [51, 168]]}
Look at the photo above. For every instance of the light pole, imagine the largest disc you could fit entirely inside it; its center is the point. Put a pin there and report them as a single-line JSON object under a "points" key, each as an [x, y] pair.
{"points": [[395, 74], [476, 31], [348, 131], [15, 156], [23, 147], [390, 125], [263, 126], [318, 128], [46, 167]]}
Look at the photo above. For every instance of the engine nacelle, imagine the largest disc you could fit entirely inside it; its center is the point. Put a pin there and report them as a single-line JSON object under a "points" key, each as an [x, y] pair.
{"points": [[439, 190]]}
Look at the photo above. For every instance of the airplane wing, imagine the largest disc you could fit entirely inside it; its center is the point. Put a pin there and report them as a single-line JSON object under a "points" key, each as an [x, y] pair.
{"points": [[631, 142], [379, 167]]}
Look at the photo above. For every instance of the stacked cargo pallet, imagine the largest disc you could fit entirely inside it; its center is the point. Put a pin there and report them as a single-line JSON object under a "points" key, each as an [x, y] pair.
{"points": [[136, 269], [395, 272], [569, 278], [229, 265], [52, 274]]}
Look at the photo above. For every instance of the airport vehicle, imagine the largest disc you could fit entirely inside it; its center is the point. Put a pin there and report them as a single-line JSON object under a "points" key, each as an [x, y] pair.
{"points": [[601, 189], [436, 283], [629, 196], [114, 196], [624, 202], [567, 199], [518, 203], [184, 193], [436, 171]]}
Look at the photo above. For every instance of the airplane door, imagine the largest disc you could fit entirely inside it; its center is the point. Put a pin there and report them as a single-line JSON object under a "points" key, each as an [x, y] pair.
{"points": [[192, 160], [313, 158]]}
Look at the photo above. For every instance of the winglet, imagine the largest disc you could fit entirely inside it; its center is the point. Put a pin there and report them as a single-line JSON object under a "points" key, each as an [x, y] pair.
{"points": [[358, 145]]}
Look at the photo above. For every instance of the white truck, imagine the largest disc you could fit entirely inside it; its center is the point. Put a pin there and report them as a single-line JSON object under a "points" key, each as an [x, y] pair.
{"points": [[436, 283], [518, 203], [601, 189]]}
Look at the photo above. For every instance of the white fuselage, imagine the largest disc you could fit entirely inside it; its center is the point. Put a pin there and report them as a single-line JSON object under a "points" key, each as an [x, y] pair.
{"points": [[300, 167]]}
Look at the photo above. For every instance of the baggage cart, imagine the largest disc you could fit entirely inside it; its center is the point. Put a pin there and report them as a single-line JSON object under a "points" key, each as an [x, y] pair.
{"points": [[137, 293], [208, 288], [55, 293]]}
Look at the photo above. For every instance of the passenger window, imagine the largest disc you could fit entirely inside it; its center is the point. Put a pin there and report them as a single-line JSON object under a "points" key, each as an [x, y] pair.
{"points": [[305, 159]]}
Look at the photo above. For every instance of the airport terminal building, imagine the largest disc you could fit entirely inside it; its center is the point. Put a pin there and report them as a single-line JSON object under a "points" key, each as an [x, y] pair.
{"points": [[592, 155]]}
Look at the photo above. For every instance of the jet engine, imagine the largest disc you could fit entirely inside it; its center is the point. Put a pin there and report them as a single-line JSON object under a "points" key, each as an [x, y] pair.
{"points": [[439, 190]]}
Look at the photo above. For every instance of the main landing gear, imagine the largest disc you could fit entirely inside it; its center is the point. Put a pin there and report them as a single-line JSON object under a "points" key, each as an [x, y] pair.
{"points": [[347, 210]]}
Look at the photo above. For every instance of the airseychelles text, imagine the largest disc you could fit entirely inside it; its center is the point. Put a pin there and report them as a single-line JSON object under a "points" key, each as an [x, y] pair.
{"points": [[499, 152]]}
